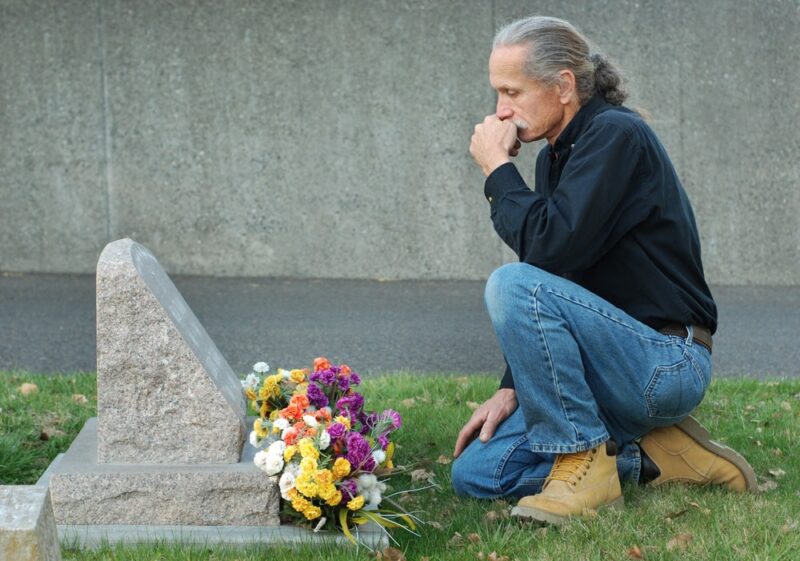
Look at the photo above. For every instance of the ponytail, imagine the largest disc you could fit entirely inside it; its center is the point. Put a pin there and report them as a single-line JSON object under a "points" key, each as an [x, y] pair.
{"points": [[608, 81]]}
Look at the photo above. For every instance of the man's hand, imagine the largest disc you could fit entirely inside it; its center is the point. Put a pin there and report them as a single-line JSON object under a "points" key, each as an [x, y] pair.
{"points": [[493, 143], [486, 418]]}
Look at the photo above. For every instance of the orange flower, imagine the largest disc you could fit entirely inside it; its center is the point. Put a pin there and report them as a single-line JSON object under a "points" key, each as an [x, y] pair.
{"points": [[292, 412], [300, 401], [290, 438], [321, 363], [345, 370]]}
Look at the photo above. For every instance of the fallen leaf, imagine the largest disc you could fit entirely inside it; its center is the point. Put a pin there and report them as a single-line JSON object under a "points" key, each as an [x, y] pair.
{"points": [[749, 408], [50, 432], [462, 380], [28, 389], [474, 538], [786, 406], [410, 402], [768, 485], [790, 526], [480, 556], [444, 460], [424, 559], [635, 553], [491, 516], [679, 542], [422, 475], [435, 525], [392, 554], [673, 515], [80, 399], [493, 556], [777, 452], [473, 405], [541, 532], [776, 473], [456, 540]]}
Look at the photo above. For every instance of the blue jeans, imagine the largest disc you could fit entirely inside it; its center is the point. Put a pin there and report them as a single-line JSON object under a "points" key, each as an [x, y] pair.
{"points": [[584, 371]]}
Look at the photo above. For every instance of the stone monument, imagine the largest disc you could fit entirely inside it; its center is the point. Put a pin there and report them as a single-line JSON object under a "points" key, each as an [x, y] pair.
{"points": [[166, 447], [27, 528]]}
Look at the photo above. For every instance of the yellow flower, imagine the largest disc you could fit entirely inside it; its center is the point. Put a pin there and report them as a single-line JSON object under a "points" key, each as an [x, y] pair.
{"points": [[297, 376], [274, 415], [356, 502], [260, 429], [289, 453], [264, 409], [313, 512], [305, 484], [344, 420], [341, 468], [335, 499], [308, 464], [324, 477], [301, 388], [326, 492], [250, 394], [307, 448]]}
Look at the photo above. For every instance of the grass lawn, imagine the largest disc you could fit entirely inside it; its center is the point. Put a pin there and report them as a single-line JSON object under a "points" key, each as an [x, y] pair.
{"points": [[760, 419]]}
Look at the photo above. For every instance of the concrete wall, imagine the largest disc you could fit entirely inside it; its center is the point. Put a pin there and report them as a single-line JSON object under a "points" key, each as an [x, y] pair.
{"points": [[325, 138]]}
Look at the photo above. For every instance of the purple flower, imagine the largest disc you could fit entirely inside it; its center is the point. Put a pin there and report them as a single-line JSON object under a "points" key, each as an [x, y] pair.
{"points": [[369, 465], [351, 404], [336, 430], [358, 450], [344, 383], [394, 416], [349, 489], [325, 377], [383, 440], [316, 396], [355, 379]]}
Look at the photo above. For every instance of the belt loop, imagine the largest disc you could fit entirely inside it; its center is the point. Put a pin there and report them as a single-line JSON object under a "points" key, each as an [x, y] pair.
{"points": [[690, 336]]}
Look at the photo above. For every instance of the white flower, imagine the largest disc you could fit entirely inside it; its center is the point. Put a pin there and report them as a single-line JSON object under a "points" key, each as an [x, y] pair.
{"points": [[310, 421], [260, 459], [255, 442], [286, 483], [261, 367], [324, 440], [374, 496], [251, 382], [379, 456], [273, 464], [293, 468], [320, 524], [277, 447], [284, 373], [273, 478], [366, 481], [281, 423]]}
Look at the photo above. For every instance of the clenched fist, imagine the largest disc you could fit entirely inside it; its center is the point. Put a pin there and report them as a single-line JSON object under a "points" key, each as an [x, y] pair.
{"points": [[493, 143]]}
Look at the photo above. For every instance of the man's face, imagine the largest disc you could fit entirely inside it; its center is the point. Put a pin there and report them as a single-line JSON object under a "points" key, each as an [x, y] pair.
{"points": [[535, 109]]}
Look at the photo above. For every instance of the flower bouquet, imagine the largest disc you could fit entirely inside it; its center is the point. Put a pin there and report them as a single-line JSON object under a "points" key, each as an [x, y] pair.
{"points": [[329, 456]]}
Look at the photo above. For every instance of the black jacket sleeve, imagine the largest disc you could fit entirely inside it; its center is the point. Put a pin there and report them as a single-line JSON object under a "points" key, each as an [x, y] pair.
{"points": [[574, 227]]}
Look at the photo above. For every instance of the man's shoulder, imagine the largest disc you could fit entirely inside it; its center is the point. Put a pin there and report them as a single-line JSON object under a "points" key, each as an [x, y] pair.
{"points": [[624, 121]]}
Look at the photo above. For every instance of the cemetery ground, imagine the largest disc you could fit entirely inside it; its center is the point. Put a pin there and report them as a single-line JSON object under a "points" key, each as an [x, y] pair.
{"points": [[761, 419]]}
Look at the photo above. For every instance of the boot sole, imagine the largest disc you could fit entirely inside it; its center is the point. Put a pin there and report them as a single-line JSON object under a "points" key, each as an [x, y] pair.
{"points": [[701, 435], [529, 513]]}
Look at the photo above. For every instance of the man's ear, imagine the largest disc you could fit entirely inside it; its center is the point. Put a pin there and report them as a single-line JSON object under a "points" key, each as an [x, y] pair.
{"points": [[566, 86]]}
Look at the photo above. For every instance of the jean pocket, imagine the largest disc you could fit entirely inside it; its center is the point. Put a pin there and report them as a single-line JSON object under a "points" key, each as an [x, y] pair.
{"points": [[674, 390]]}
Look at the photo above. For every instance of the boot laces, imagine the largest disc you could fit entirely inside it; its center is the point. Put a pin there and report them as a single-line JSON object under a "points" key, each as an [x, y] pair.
{"points": [[566, 466]]}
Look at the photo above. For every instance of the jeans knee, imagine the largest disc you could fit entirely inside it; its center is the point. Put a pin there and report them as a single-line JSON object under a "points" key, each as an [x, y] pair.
{"points": [[467, 481], [506, 286], [459, 477]]}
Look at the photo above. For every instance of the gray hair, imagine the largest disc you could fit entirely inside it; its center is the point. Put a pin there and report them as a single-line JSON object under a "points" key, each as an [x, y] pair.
{"points": [[557, 45]]}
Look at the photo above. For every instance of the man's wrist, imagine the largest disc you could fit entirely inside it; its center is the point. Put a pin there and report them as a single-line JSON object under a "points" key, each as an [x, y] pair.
{"points": [[493, 165]]}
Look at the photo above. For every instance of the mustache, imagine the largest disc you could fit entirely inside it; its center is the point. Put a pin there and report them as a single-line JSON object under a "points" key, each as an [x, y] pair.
{"points": [[520, 124]]}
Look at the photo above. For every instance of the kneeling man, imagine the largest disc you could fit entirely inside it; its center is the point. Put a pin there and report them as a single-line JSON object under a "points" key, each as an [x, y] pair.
{"points": [[606, 321]]}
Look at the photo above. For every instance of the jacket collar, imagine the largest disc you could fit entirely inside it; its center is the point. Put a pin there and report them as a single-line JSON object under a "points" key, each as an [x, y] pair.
{"points": [[578, 124]]}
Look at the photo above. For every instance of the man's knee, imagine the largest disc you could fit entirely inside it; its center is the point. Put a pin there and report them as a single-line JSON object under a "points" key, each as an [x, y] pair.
{"points": [[466, 480], [508, 285]]}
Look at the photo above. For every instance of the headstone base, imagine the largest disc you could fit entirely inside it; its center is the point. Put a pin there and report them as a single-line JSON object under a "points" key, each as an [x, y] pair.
{"points": [[87, 493]]}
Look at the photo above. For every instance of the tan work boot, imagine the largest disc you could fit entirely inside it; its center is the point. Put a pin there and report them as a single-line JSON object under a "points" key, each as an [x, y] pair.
{"points": [[684, 453], [577, 483]]}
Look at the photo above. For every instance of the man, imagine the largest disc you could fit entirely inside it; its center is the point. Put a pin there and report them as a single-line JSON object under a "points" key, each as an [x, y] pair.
{"points": [[606, 321]]}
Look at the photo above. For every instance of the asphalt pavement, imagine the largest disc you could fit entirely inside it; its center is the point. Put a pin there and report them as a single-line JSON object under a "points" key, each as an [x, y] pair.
{"points": [[47, 325]]}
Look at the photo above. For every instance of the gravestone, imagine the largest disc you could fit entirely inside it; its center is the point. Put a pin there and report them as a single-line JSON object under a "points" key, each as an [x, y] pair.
{"points": [[165, 394], [166, 448], [27, 528]]}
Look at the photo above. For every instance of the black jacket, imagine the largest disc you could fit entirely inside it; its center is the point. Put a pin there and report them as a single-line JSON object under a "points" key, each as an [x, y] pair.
{"points": [[609, 213]]}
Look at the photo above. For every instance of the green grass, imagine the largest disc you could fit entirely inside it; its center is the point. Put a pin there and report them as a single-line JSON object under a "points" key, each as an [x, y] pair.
{"points": [[757, 418]]}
